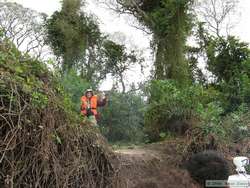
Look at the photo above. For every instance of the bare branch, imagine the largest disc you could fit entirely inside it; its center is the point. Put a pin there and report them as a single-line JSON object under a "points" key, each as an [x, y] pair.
{"points": [[129, 7], [217, 15], [23, 27]]}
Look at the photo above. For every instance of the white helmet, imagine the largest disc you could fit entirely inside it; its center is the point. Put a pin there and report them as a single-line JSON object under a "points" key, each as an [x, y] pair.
{"points": [[89, 90]]}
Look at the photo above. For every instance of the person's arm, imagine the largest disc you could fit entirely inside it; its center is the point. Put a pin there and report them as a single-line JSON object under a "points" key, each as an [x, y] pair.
{"points": [[81, 108], [102, 102]]}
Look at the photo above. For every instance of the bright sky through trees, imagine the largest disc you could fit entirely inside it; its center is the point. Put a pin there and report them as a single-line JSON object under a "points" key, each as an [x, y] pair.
{"points": [[112, 23]]}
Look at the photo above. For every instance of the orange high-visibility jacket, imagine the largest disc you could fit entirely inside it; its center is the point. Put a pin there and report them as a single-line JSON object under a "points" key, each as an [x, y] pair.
{"points": [[93, 104]]}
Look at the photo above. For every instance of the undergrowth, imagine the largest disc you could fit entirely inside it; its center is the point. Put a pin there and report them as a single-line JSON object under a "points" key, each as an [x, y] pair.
{"points": [[42, 143]]}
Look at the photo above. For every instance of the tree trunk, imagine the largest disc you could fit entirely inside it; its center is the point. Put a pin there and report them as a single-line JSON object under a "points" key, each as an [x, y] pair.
{"points": [[170, 60], [123, 84], [159, 61]]}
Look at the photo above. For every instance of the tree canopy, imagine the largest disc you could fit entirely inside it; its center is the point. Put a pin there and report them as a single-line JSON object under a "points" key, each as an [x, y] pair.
{"points": [[170, 23], [67, 33]]}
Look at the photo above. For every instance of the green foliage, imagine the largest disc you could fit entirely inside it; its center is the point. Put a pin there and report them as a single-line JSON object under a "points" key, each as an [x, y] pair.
{"points": [[75, 86], [236, 124], [226, 57], [27, 71], [118, 60], [38, 125], [211, 120], [39, 100], [196, 74], [169, 101], [39, 86], [122, 119], [167, 98], [170, 22], [75, 37], [67, 33], [245, 87], [228, 63]]}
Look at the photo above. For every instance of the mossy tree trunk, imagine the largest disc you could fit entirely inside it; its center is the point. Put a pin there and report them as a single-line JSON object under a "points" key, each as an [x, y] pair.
{"points": [[170, 61], [169, 21]]}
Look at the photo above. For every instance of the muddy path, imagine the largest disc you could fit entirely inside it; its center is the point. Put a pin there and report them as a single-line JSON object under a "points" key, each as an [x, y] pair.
{"points": [[154, 166]]}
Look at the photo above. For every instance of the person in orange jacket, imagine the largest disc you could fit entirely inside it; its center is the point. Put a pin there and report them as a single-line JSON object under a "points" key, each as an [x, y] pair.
{"points": [[89, 105]]}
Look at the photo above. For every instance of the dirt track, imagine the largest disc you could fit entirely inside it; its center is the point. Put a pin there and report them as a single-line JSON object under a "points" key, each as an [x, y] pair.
{"points": [[154, 166]]}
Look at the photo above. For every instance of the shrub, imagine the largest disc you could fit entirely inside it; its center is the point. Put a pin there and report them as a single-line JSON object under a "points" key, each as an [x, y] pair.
{"points": [[167, 102], [236, 124], [75, 86], [122, 119], [42, 144], [211, 119]]}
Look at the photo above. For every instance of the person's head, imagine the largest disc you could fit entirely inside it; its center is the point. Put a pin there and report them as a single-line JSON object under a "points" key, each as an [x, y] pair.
{"points": [[89, 93]]}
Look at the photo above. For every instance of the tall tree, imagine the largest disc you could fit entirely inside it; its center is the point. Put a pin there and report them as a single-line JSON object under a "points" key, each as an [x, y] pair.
{"points": [[170, 22], [91, 64], [76, 39], [67, 33]]}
